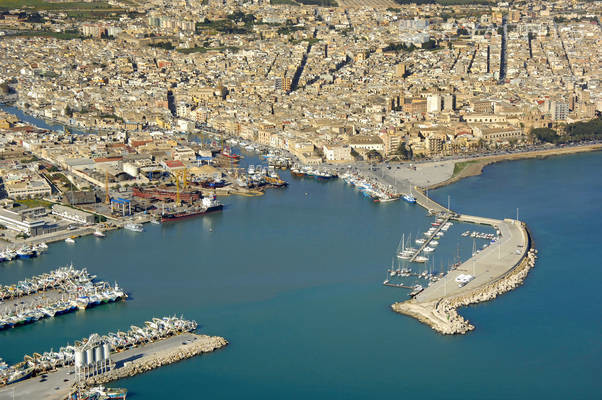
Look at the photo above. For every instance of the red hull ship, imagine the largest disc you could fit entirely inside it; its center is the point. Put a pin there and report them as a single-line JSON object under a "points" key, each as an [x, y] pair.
{"points": [[164, 194], [210, 204]]}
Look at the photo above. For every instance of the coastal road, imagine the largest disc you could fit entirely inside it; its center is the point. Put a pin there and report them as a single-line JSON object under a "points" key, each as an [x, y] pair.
{"points": [[487, 266], [58, 384]]}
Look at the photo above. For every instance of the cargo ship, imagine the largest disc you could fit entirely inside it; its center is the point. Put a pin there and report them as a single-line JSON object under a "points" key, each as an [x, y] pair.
{"points": [[209, 204]]}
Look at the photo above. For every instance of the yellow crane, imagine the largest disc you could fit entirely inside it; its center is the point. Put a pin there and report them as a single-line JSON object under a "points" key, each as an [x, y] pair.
{"points": [[181, 174], [107, 196]]}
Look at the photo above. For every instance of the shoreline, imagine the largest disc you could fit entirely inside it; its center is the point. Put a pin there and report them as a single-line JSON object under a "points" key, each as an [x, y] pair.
{"points": [[477, 164]]}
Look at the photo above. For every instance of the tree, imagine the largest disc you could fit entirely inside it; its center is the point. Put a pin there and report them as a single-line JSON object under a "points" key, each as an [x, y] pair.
{"points": [[374, 155], [404, 151], [545, 135]]}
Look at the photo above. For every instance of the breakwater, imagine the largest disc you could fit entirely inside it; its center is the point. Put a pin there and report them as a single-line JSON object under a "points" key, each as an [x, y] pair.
{"points": [[195, 346], [442, 315], [437, 305]]}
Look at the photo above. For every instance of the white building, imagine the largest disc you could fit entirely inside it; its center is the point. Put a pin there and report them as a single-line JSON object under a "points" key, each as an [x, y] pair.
{"points": [[433, 103], [72, 214]]}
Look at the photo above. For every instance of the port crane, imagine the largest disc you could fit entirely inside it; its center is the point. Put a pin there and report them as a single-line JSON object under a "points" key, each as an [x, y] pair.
{"points": [[180, 175]]}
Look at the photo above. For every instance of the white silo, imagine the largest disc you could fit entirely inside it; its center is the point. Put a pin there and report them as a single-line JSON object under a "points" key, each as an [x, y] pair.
{"points": [[79, 357], [98, 356], [90, 356], [106, 351]]}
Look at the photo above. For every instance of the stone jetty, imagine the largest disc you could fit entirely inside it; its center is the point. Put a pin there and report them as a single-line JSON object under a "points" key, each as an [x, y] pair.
{"points": [[441, 314], [499, 268], [193, 346]]}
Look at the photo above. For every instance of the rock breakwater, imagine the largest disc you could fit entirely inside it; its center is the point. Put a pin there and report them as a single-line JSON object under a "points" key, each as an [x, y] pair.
{"points": [[198, 345], [442, 315]]}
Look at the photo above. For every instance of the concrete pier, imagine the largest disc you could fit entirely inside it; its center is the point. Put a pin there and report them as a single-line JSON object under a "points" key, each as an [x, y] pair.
{"points": [[58, 384], [498, 268]]}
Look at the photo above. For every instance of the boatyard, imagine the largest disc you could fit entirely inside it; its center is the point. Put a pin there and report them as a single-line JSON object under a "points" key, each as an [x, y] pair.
{"points": [[159, 342]]}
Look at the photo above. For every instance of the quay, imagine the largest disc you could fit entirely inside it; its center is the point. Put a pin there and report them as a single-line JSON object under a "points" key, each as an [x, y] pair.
{"points": [[398, 285], [494, 270], [58, 384], [58, 292]]}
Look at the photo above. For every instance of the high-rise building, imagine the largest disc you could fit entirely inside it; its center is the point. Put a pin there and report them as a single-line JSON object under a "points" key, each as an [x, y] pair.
{"points": [[283, 83], [559, 110], [433, 103], [449, 102]]}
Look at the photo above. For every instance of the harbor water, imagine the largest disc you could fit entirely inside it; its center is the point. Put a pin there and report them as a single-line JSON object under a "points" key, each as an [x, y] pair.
{"points": [[293, 280]]}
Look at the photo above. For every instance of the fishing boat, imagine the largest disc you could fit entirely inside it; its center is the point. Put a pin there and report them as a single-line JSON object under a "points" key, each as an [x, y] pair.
{"points": [[296, 172], [409, 198], [131, 226], [20, 374], [26, 252], [227, 152]]}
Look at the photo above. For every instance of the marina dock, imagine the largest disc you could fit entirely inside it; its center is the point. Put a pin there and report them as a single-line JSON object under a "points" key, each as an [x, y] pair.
{"points": [[489, 272], [430, 237]]}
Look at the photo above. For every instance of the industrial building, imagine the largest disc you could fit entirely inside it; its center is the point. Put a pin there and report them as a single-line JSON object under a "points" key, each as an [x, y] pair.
{"points": [[72, 214]]}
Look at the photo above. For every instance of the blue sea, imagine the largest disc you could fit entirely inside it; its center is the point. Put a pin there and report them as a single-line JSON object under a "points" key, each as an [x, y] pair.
{"points": [[293, 280]]}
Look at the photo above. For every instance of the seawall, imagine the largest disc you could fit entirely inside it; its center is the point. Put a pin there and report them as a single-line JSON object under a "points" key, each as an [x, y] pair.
{"points": [[437, 305], [198, 345]]}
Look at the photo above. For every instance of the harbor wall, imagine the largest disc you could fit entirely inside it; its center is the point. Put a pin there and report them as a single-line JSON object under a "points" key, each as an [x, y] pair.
{"points": [[200, 344], [442, 315]]}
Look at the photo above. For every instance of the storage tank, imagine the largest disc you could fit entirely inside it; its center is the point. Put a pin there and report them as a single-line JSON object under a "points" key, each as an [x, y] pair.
{"points": [[90, 356], [79, 356], [98, 353], [106, 351], [84, 358]]}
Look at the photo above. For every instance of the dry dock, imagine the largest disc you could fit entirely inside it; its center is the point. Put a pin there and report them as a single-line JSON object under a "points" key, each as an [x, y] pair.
{"points": [[57, 385], [497, 269]]}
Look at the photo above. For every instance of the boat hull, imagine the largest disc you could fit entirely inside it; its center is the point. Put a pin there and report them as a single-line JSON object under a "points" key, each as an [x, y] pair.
{"points": [[180, 216]]}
